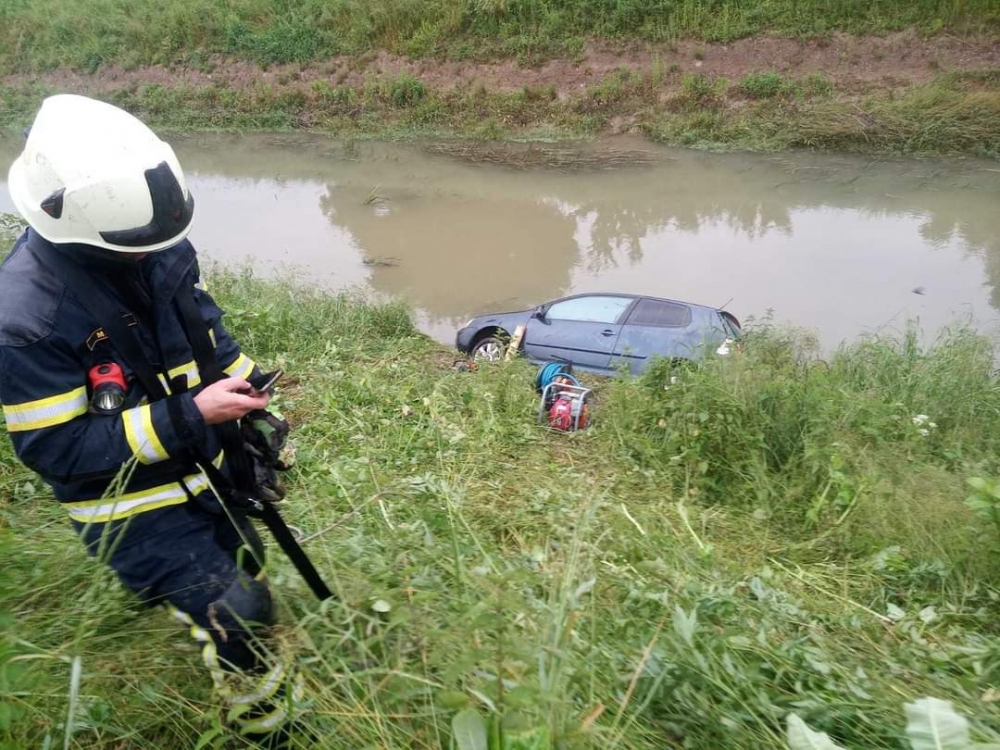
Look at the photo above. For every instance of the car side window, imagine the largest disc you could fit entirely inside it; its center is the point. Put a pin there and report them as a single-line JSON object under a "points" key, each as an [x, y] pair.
{"points": [[591, 309], [652, 312]]}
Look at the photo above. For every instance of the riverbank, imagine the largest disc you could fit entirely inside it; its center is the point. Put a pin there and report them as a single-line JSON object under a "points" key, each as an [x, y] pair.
{"points": [[896, 94], [771, 534]]}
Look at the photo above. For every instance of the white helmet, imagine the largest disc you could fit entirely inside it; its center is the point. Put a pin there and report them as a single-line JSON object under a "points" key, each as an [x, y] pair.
{"points": [[93, 174]]}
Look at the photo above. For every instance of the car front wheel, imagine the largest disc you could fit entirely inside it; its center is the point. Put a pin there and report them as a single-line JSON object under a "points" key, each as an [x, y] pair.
{"points": [[490, 349]]}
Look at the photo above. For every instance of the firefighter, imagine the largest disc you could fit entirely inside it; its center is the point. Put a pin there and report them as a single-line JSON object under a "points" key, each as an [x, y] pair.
{"points": [[126, 457]]}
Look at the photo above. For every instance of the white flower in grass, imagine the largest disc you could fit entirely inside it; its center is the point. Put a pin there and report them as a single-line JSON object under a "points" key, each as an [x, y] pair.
{"points": [[924, 424]]}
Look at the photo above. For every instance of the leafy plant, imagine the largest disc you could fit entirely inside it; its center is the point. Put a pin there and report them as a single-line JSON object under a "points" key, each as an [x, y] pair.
{"points": [[985, 499], [801, 737], [931, 724], [765, 85], [405, 90], [469, 730], [702, 88]]}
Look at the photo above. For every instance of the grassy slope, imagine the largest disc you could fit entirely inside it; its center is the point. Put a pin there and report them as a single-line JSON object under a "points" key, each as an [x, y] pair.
{"points": [[958, 113], [88, 33], [954, 114], [792, 504]]}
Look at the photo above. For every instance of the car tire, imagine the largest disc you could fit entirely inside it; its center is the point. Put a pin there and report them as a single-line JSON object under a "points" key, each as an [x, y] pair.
{"points": [[490, 348]]}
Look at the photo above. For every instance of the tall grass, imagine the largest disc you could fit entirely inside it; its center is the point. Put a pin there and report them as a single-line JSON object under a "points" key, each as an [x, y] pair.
{"points": [[87, 33], [765, 534]]}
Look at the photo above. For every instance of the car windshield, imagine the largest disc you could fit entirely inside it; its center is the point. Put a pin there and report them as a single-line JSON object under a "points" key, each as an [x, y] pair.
{"points": [[593, 309], [735, 329]]}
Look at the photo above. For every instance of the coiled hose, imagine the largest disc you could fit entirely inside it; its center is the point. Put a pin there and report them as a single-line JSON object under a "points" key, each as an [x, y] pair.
{"points": [[552, 370]]}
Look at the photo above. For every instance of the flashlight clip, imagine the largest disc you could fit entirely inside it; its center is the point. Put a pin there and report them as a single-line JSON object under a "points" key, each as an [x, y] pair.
{"points": [[108, 387]]}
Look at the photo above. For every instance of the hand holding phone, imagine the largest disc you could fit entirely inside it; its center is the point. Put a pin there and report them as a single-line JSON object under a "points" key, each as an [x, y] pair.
{"points": [[264, 383]]}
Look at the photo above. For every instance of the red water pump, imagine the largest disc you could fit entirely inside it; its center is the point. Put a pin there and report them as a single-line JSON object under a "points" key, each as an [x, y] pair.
{"points": [[564, 402], [569, 412]]}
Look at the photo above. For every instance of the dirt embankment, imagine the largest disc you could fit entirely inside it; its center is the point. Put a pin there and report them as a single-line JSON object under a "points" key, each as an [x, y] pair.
{"points": [[851, 62]]}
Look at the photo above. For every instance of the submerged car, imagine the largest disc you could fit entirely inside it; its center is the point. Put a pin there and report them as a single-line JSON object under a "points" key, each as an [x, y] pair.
{"points": [[604, 333]]}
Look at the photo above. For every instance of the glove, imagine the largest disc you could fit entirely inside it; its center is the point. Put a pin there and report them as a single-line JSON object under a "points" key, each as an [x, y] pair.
{"points": [[264, 435]]}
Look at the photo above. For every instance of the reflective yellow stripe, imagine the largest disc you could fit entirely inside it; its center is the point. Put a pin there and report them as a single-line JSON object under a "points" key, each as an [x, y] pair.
{"points": [[57, 400], [114, 509], [210, 656], [202, 636], [129, 504], [178, 614], [268, 686], [190, 369], [141, 435], [241, 368], [46, 412], [266, 723]]}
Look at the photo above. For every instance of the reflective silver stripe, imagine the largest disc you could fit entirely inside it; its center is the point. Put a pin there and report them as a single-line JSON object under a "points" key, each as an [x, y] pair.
{"points": [[101, 511], [190, 370], [179, 614], [141, 435], [241, 368], [265, 723], [268, 686], [164, 382], [210, 657], [46, 412]]}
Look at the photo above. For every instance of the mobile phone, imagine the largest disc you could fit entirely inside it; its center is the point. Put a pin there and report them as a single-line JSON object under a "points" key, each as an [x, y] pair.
{"points": [[265, 382]]}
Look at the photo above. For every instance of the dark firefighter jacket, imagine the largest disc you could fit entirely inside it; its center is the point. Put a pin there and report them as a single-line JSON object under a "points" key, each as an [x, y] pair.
{"points": [[106, 467]]}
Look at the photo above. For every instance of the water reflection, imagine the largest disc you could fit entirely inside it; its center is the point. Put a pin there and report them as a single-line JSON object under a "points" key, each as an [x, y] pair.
{"points": [[837, 244], [449, 253]]}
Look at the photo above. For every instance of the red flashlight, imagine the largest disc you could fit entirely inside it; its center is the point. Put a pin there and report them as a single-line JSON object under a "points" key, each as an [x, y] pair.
{"points": [[107, 384]]}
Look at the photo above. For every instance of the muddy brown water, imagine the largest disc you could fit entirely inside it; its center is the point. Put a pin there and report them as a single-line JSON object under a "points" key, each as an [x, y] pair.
{"points": [[839, 245]]}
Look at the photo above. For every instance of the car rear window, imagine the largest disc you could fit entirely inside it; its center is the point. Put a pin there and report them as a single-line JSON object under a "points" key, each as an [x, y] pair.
{"points": [[651, 312]]}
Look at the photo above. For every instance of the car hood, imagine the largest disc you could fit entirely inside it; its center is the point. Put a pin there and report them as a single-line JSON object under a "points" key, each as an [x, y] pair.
{"points": [[518, 315]]}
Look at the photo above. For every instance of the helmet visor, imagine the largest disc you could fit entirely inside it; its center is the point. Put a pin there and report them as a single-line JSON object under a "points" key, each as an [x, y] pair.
{"points": [[172, 212]]}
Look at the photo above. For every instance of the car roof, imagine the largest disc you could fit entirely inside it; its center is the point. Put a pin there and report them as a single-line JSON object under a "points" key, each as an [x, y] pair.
{"points": [[632, 296]]}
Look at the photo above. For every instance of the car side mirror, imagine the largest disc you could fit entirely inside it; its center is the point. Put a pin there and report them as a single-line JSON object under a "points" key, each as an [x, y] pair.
{"points": [[538, 312]]}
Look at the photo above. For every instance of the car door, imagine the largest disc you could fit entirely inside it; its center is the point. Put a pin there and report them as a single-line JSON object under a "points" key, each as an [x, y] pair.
{"points": [[654, 328], [582, 330]]}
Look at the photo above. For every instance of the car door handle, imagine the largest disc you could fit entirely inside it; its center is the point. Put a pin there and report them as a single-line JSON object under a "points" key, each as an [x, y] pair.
{"points": [[607, 332]]}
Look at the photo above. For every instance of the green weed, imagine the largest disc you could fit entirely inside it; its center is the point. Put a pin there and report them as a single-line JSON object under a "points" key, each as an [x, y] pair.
{"points": [[765, 85], [614, 88], [406, 90], [816, 85]]}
